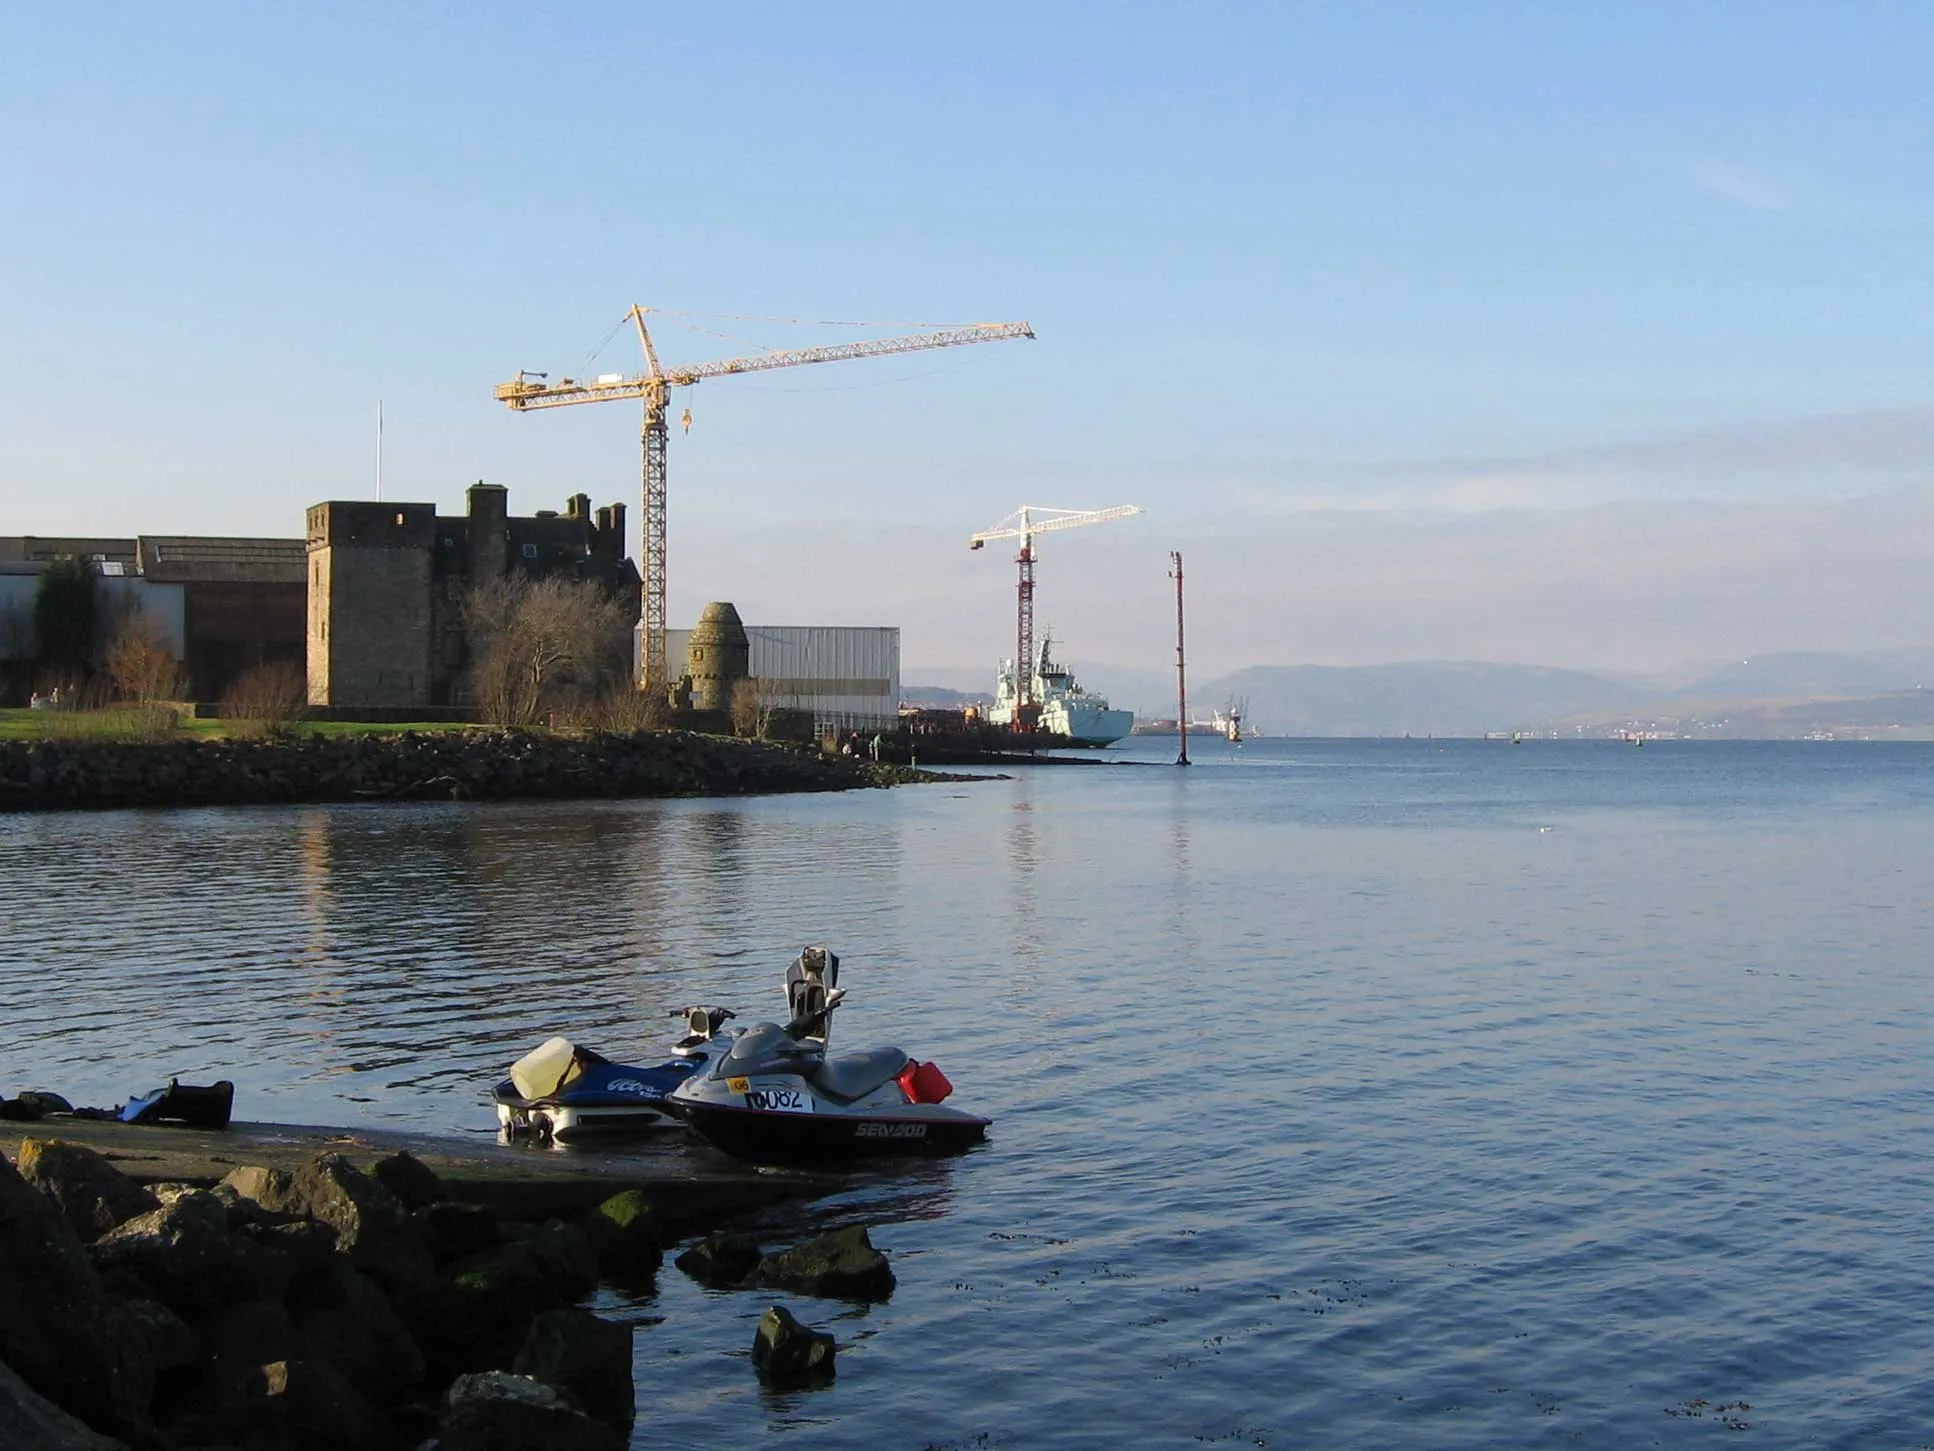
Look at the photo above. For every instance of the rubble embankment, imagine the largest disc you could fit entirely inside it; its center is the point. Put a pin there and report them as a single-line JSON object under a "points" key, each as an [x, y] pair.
{"points": [[479, 765], [329, 1306]]}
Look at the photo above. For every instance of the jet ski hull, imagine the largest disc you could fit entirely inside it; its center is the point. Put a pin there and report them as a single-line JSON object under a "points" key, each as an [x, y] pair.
{"points": [[609, 1098], [763, 1137]]}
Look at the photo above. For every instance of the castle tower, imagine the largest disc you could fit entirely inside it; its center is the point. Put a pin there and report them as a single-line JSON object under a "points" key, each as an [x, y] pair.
{"points": [[718, 657], [369, 604]]}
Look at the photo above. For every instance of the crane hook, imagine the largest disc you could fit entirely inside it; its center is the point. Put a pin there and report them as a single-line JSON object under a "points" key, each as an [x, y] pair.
{"points": [[687, 420]]}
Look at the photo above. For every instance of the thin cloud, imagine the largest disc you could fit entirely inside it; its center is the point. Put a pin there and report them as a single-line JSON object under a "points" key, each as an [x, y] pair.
{"points": [[1740, 186], [1831, 455]]}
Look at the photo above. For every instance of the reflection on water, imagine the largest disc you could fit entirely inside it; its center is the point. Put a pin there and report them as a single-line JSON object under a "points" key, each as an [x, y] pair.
{"points": [[1344, 1094]]}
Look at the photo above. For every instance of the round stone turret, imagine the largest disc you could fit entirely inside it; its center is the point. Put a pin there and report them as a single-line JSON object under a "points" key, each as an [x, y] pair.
{"points": [[718, 657]]}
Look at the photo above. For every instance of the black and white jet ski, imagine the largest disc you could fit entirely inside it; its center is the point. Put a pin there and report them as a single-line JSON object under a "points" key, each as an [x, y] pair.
{"points": [[561, 1091], [775, 1096]]}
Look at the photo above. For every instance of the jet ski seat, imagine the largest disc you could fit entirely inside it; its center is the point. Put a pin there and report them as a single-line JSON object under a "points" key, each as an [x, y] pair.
{"points": [[854, 1075]]}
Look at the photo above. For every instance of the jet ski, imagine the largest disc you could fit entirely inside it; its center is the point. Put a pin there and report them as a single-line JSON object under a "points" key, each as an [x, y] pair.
{"points": [[775, 1096], [561, 1091]]}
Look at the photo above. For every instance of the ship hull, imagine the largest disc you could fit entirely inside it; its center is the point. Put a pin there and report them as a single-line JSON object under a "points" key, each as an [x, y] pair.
{"points": [[1089, 727]]}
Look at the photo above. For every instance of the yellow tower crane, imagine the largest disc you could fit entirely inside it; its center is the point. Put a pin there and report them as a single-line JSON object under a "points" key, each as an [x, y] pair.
{"points": [[531, 390]]}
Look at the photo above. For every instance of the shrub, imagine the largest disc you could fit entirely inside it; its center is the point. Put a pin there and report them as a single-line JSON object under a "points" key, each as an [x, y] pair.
{"points": [[270, 698]]}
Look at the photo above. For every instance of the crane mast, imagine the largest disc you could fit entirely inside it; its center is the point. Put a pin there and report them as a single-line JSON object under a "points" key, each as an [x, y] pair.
{"points": [[528, 391], [1023, 524]]}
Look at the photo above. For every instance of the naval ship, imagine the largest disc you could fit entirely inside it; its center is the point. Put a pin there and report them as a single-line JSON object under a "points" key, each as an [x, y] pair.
{"points": [[1066, 709]]}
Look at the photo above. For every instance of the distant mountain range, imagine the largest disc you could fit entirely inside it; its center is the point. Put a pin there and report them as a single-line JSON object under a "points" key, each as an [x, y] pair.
{"points": [[1791, 693]]}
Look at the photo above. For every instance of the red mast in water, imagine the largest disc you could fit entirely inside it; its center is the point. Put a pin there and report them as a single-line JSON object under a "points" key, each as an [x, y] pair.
{"points": [[1181, 664]]}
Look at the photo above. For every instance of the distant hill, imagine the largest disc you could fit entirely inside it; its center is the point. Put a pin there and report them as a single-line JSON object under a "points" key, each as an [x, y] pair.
{"points": [[1793, 674], [1443, 698], [1784, 694]]}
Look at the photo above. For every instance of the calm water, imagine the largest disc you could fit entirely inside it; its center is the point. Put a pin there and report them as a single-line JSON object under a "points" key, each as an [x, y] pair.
{"points": [[1365, 1095]]}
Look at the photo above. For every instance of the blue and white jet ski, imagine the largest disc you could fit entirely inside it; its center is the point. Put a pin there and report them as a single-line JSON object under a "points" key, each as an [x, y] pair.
{"points": [[561, 1091], [774, 1096]]}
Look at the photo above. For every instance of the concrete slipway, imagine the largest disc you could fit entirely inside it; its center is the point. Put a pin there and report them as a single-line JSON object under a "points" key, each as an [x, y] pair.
{"points": [[690, 1186]]}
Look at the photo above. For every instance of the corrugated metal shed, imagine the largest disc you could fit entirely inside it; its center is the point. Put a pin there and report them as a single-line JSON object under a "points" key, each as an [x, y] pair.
{"points": [[848, 676]]}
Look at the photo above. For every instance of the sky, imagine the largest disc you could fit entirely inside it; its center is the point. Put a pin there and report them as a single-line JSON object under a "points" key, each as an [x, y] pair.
{"points": [[1583, 335]]}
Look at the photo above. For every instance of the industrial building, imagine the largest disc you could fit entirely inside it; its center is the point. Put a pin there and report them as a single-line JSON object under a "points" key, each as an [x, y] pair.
{"points": [[221, 605], [387, 583], [846, 678]]}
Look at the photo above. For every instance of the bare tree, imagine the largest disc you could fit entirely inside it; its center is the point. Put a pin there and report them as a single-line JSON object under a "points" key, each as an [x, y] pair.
{"points": [[140, 664], [538, 644], [752, 709], [270, 698]]}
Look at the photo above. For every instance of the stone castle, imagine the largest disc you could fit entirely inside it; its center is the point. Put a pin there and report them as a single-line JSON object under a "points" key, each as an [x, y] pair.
{"points": [[387, 582]]}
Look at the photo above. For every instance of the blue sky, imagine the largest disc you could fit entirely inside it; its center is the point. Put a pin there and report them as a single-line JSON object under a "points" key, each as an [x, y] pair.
{"points": [[1474, 288]]}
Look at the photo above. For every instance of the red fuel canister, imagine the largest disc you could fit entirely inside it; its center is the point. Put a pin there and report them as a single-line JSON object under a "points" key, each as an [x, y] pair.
{"points": [[924, 1082]]}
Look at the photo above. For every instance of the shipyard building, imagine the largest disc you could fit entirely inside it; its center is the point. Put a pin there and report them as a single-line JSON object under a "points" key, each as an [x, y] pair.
{"points": [[221, 605], [846, 678]]}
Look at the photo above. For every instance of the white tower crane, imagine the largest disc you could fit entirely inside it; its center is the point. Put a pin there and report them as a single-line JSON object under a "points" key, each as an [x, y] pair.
{"points": [[1023, 524]]}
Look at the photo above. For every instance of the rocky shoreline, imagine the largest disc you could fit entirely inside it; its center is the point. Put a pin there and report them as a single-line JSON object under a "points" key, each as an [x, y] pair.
{"points": [[328, 1307], [480, 765]]}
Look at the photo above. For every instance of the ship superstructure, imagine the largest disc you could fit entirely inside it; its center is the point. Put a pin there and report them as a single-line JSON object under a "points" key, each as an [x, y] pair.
{"points": [[1064, 707]]}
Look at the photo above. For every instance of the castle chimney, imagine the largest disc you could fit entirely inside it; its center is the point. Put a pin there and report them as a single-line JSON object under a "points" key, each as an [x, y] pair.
{"points": [[489, 506]]}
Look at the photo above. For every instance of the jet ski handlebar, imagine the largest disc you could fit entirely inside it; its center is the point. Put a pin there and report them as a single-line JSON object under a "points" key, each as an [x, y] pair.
{"points": [[812, 1023]]}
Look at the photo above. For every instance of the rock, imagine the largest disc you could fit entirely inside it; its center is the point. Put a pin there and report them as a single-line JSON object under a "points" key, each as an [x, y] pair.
{"points": [[191, 1257], [722, 1261], [576, 1351], [272, 1189], [17, 1111], [370, 1223], [476, 1317], [566, 1257], [43, 1103], [309, 1244], [28, 1420], [58, 1330], [624, 1232], [171, 1344], [842, 1265], [93, 1195], [237, 1340], [413, 1182], [455, 1230], [784, 1352], [167, 1191], [294, 1405], [496, 1411], [349, 1324]]}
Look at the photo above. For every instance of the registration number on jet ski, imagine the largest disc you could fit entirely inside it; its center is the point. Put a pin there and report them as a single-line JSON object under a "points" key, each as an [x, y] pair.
{"points": [[779, 1100]]}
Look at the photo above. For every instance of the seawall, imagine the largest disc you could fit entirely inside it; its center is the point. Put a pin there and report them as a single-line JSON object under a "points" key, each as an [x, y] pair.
{"points": [[481, 765]]}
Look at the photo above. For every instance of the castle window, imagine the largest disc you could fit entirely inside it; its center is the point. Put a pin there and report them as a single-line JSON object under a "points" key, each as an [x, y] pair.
{"points": [[530, 551], [399, 521]]}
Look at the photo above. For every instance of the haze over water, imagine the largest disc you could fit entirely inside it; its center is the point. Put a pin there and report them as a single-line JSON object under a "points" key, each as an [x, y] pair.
{"points": [[1345, 1094]]}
